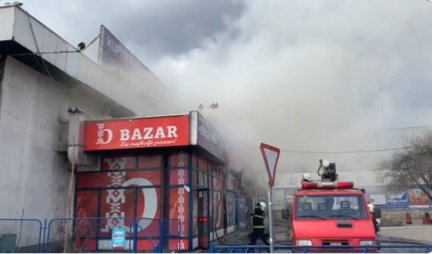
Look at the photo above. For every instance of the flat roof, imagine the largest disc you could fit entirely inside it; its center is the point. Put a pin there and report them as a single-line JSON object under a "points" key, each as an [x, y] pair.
{"points": [[28, 40]]}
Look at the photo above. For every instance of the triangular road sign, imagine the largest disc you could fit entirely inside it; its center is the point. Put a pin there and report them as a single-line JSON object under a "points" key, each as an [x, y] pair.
{"points": [[271, 156]]}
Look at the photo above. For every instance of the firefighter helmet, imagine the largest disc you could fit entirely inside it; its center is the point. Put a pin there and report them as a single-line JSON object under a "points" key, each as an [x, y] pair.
{"points": [[261, 205], [307, 177]]}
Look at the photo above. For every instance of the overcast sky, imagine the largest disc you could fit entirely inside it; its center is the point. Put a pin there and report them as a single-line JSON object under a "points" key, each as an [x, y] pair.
{"points": [[318, 75]]}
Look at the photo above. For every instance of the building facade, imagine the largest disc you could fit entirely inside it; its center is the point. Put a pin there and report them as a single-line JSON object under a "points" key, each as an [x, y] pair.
{"points": [[55, 107], [150, 169]]}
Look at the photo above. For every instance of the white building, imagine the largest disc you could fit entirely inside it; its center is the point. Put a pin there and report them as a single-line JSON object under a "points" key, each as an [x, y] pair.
{"points": [[41, 77]]}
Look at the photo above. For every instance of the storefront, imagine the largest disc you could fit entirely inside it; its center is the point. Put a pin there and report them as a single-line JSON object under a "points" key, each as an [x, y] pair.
{"points": [[153, 169]]}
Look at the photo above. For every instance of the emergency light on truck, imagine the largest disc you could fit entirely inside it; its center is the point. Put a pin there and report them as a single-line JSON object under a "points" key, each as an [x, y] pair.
{"points": [[327, 185]]}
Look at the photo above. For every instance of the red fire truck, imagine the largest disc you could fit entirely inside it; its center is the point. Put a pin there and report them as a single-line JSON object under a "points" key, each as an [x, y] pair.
{"points": [[330, 213]]}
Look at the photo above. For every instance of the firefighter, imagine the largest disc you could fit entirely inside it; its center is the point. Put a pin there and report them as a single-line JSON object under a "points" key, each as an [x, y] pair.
{"points": [[373, 213], [258, 225]]}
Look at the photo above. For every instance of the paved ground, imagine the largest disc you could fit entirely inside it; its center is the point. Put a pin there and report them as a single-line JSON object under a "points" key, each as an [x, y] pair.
{"points": [[388, 235], [420, 233]]}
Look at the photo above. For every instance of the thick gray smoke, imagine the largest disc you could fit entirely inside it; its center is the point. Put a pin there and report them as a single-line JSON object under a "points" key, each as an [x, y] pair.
{"points": [[322, 75], [313, 76]]}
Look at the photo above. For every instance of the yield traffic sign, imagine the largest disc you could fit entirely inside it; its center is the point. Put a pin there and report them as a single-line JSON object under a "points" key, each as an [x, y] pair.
{"points": [[271, 156]]}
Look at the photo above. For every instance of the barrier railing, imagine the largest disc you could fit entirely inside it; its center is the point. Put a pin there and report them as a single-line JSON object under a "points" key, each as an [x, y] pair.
{"points": [[172, 238], [20, 235], [86, 234], [147, 234], [419, 248], [143, 234], [157, 235]]}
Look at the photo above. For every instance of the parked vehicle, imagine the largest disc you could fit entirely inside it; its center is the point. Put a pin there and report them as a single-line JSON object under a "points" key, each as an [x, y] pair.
{"points": [[331, 213]]}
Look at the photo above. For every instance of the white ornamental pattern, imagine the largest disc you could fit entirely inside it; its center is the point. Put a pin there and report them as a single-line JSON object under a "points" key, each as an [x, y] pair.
{"points": [[181, 198], [100, 132], [115, 198]]}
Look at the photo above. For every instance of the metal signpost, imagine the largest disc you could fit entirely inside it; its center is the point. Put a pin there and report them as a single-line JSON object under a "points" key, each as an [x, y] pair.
{"points": [[271, 156]]}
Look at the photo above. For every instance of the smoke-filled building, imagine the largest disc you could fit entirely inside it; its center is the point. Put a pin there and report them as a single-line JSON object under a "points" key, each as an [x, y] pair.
{"points": [[169, 168], [72, 139]]}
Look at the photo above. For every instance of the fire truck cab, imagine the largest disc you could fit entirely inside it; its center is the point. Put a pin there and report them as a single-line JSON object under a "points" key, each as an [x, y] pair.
{"points": [[331, 213]]}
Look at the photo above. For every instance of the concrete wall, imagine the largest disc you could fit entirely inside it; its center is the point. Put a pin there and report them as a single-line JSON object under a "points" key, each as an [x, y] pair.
{"points": [[33, 175], [398, 217], [6, 23], [142, 93]]}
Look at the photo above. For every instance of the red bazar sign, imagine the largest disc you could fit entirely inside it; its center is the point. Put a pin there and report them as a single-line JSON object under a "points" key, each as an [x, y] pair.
{"points": [[137, 133]]}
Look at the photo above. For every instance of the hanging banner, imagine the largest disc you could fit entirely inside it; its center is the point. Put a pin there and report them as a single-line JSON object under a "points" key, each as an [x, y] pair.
{"points": [[396, 200], [417, 198]]}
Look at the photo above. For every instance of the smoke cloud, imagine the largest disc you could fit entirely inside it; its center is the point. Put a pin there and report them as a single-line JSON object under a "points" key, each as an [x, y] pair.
{"points": [[311, 76], [315, 76]]}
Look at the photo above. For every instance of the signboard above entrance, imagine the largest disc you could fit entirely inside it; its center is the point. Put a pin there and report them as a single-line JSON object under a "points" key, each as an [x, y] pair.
{"points": [[163, 131], [137, 133]]}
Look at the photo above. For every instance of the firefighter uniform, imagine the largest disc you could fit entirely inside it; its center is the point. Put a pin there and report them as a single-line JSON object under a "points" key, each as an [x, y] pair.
{"points": [[258, 226], [371, 209]]}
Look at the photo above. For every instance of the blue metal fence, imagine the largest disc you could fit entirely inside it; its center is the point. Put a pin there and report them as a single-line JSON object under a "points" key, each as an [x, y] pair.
{"points": [[172, 234], [146, 234], [161, 234], [20, 235], [86, 234], [143, 234], [418, 248]]}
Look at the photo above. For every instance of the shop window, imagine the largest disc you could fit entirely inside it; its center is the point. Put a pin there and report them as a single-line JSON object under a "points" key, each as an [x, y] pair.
{"points": [[194, 177], [118, 179], [179, 176], [203, 179], [148, 212], [218, 211], [130, 203], [118, 162], [215, 182], [202, 163], [85, 227], [115, 204], [143, 178], [211, 210], [150, 161], [179, 160], [210, 180], [230, 209], [194, 162], [86, 204], [212, 166], [178, 212], [195, 213], [216, 172]]}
